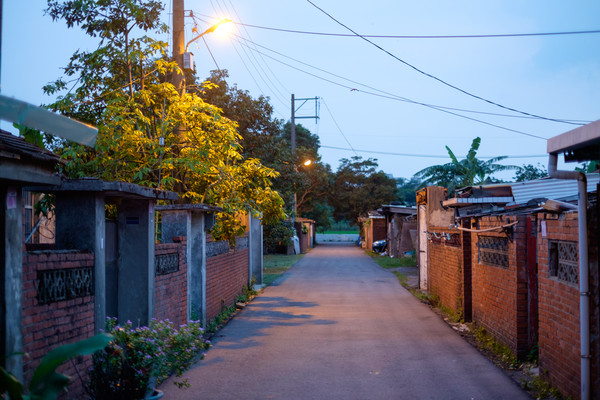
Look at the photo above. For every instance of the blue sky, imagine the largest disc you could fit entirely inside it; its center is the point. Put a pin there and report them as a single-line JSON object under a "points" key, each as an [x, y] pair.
{"points": [[552, 76]]}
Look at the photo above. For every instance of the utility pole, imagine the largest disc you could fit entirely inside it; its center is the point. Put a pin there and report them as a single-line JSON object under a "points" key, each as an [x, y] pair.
{"points": [[293, 134], [178, 41], [293, 126], [293, 119]]}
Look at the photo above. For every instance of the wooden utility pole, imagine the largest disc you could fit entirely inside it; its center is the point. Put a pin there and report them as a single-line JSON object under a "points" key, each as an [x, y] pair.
{"points": [[178, 41]]}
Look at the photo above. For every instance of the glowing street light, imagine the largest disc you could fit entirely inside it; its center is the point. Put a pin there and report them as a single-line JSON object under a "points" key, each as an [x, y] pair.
{"points": [[188, 57], [306, 164], [219, 26]]}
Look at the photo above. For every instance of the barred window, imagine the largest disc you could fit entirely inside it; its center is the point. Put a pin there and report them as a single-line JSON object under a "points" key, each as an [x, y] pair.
{"points": [[493, 251], [64, 284], [166, 264], [563, 261]]}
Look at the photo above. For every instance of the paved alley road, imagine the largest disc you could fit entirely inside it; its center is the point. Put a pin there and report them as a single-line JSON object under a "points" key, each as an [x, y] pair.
{"points": [[337, 326]]}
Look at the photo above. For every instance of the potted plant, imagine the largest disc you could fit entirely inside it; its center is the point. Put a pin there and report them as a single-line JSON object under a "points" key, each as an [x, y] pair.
{"points": [[139, 358]]}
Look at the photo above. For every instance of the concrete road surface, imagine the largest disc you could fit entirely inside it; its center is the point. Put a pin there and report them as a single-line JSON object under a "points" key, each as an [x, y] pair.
{"points": [[337, 326]]}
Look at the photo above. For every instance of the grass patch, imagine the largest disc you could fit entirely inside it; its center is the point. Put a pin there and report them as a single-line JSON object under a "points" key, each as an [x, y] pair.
{"points": [[389, 262], [276, 264], [403, 279]]}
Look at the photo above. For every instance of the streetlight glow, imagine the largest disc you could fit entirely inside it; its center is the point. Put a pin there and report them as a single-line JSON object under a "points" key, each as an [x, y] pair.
{"points": [[307, 163], [216, 27]]}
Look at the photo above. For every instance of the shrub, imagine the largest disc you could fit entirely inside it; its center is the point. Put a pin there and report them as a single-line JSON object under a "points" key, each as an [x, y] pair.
{"points": [[126, 368]]}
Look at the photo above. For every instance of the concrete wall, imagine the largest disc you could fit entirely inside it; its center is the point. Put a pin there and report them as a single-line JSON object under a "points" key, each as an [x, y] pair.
{"points": [[11, 276], [255, 237]]}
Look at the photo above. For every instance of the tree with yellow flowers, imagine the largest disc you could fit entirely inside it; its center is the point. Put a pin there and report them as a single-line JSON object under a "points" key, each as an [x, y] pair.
{"points": [[148, 133]]}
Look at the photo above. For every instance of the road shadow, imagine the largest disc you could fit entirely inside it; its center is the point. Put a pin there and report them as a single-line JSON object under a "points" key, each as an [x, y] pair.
{"points": [[262, 315]]}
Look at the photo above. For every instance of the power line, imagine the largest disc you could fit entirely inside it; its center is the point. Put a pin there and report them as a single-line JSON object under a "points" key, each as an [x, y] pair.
{"points": [[424, 155], [257, 65], [266, 64], [499, 35], [336, 124], [397, 98], [435, 77], [254, 63]]}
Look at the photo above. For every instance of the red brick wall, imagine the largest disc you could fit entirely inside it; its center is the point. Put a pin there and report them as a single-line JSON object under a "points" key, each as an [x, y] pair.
{"points": [[559, 343], [226, 275], [445, 268], [500, 294], [46, 326], [170, 291]]}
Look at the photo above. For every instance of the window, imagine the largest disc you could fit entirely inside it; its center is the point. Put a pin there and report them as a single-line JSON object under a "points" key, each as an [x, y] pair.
{"points": [[493, 251], [563, 261]]}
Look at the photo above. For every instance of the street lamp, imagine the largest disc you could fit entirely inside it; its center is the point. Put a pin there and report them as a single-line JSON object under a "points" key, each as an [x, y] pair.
{"points": [[188, 58], [306, 163]]}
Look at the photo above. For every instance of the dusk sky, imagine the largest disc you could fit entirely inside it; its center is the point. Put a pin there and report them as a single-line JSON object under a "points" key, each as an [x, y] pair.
{"points": [[369, 86]]}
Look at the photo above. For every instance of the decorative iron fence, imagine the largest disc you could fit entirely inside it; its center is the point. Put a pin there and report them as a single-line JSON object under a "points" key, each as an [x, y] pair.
{"points": [[64, 284]]}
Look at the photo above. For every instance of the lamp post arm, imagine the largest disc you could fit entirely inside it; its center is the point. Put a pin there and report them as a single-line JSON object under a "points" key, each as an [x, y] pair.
{"points": [[209, 30]]}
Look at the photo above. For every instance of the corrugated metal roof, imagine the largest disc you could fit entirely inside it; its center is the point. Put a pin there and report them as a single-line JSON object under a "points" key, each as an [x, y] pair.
{"points": [[550, 188], [468, 201]]}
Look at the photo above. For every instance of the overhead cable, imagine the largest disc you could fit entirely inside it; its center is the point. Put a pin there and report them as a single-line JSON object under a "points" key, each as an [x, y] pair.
{"points": [[397, 97], [388, 153], [499, 35], [405, 100], [435, 77], [336, 124]]}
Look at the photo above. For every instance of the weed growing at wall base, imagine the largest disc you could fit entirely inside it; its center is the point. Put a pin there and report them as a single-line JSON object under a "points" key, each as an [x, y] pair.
{"points": [[487, 342]]}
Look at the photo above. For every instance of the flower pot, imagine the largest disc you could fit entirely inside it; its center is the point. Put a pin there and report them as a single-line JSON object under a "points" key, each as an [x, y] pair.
{"points": [[157, 394]]}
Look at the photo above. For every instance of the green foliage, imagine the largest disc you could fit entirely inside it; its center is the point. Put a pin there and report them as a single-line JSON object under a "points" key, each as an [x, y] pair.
{"points": [[467, 172], [124, 368], [389, 262], [407, 190], [403, 279], [589, 167], [248, 292], [46, 383], [277, 235], [359, 188], [215, 324], [149, 133], [322, 214], [541, 388], [530, 172], [344, 226]]}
